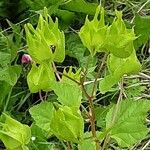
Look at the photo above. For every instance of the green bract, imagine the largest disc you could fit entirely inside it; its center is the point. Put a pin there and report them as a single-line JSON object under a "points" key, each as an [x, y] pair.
{"points": [[117, 68], [67, 124], [46, 42], [40, 77], [76, 76], [119, 38], [116, 38], [93, 33], [14, 135]]}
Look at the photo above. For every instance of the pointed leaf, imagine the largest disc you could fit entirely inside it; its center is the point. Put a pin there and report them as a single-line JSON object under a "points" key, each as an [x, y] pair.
{"points": [[68, 94], [128, 127], [42, 114], [67, 124]]}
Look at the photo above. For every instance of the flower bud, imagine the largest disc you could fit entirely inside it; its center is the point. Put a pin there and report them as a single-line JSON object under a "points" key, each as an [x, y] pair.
{"points": [[26, 59]]}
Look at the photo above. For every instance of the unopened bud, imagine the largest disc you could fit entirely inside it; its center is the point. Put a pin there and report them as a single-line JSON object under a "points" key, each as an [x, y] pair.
{"points": [[26, 59]]}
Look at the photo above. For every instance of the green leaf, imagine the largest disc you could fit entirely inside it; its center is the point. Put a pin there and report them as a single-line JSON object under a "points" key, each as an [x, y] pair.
{"points": [[14, 134], [41, 4], [67, 124], [10, 44], [39, 138], [74, 47], [81, 6], [42, 114], [40, 77], [129, 126], [101, 113], [87, 143], [10, 74], [68, 94], [4, 59], [142, 29], [117, 68]]}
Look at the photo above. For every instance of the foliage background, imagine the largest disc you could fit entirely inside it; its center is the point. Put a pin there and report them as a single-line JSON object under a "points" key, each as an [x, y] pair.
{"points": [[15, 98]]}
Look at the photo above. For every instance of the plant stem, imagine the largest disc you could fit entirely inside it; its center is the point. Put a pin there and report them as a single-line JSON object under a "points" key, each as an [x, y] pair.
{"points": [[40, 95], [91, 113], [57, 74], [96, 79], [90, 100], [68, 146]]}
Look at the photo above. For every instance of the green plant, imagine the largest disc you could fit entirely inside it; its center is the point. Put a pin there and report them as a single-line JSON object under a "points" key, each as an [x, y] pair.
{"points": [[65, 117]]}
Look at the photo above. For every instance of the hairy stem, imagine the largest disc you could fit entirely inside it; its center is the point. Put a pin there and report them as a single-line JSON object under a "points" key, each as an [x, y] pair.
{"points": [[90, 101], [96, 79], [91, 114]]}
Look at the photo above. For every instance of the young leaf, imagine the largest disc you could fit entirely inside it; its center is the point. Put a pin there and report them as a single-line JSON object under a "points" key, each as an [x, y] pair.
{"points": [[87, 143], [42, 114], [128, 127], [14, 134], [68, 94], [10, 74], [40, 77], [67, 124]]}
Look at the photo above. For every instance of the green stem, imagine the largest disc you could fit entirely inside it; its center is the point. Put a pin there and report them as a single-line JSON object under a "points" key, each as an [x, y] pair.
{"points": [[57, 74]]}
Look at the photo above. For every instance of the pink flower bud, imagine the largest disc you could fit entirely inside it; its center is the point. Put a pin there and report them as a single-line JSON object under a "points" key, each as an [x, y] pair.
{"points": [[26, 59]]}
